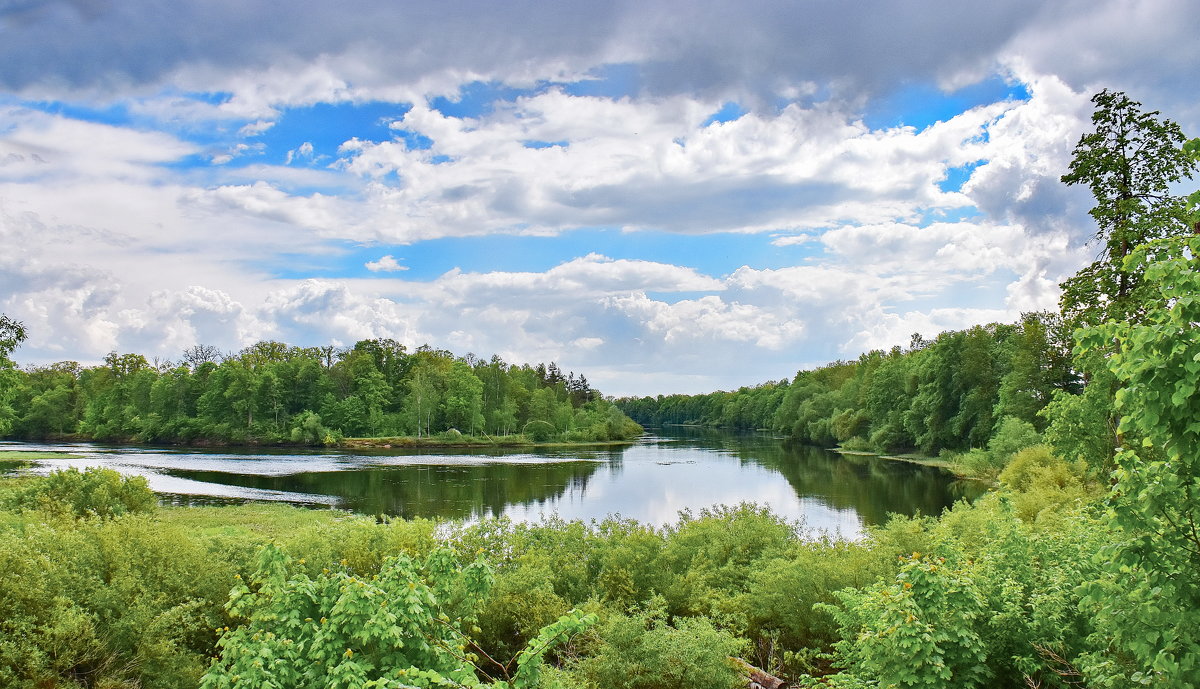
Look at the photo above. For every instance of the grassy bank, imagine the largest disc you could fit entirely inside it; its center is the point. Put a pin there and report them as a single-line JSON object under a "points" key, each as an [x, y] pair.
{"points": [[947, 463], [31, 455], [467, 441]]}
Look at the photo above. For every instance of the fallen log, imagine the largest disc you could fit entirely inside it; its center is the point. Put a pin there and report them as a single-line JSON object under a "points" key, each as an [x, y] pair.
{"points": [[757, 678]]}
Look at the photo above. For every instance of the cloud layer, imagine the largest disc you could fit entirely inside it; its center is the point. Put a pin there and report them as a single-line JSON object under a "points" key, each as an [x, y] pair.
{"points": [[157, 191]]}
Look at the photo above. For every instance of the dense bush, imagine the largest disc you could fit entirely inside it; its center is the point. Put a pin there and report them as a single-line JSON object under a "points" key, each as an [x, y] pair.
{"points": [[920, 630], [92, 492], [408, 625], [643, 651], [123, 602]]}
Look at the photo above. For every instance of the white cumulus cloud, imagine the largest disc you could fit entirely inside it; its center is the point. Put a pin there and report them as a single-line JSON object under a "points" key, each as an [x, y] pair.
{"points": [[385, 264]]}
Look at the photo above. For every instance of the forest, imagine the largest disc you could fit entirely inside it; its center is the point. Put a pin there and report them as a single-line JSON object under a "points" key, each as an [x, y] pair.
{"points": [[1080, 568], [272, 393], [946, 394]]}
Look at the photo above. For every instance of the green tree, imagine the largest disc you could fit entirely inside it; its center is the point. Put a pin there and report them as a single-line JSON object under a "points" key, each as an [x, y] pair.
{"points": [[463, 402], [1149, 605], [1039, 364], [240, 392], [423, 396], [12, 334], [1081, 427], [49, 412], [1128, 163]]}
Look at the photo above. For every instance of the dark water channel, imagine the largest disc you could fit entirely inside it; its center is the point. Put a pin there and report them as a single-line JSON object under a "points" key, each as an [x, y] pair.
{"points": [[651, 481]]}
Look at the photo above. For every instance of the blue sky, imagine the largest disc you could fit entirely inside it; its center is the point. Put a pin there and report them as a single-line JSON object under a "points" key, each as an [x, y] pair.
{"points": [[666, 204]]}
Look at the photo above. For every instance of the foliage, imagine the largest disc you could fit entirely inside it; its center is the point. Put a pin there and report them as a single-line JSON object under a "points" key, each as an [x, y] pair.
{"points": [[1151, 595], [124, 602], [976, 463], [643, 651], [723, 576], [713, 552], [1029, 575], [409, 625], [273, 393], [308, 429], [919, 631], [1081, 427], [948, 393], [777, 605], [1042, 482], [1012, 435], [92, 492], [12, 334], [856, 444], [996, 602], [1129, 163], [539, 431]]}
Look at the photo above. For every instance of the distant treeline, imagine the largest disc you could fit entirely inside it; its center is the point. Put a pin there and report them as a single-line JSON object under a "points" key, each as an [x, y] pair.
{"points": [[275, 393], [948, 393]]}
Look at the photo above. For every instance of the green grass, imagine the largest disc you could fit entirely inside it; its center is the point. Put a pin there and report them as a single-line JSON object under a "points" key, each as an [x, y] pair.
{"points": [[264, 520], [32, 455]]}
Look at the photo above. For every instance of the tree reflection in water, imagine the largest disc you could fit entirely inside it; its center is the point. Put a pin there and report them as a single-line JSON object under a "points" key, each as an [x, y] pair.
{"points": [[674, 469]]}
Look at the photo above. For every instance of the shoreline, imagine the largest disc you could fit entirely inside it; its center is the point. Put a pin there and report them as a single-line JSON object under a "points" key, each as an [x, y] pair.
{"points": [[406, 442], [922, 460], [381, 443]]}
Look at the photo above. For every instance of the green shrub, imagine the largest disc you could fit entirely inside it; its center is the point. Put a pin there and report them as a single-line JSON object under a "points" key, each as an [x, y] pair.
{"points": [[627, 562], [540, 431], [1042, 481], [124, 602], [976, 462], [92, 492], [643, 651], [918, 631], [712, 555], [856, 444], [1011, 436], [409, 625], [1082, 427], [1028, 466], [308, 429], [521, 603], [777, 607], [889, 438]]}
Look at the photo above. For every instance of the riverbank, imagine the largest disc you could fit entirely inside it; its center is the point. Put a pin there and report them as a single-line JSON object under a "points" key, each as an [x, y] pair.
{"points": [[14, 460], [468, 442], [946, 464], [381, 443], [32, 455]]}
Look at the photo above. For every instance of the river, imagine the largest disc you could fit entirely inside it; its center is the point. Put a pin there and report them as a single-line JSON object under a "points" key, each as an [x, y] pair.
{"points": [[651, 481]]}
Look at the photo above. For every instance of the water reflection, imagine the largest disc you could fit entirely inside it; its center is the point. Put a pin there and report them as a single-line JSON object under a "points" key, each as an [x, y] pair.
{"points": [[454, 491], [676, 469]]}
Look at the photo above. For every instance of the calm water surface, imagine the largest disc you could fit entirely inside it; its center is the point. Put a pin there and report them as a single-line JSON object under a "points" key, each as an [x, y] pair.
{"points": [[651, 481]]}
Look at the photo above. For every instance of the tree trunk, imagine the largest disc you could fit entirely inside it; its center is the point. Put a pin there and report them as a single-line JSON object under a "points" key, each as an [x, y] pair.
{"points": [[757, 678]]}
